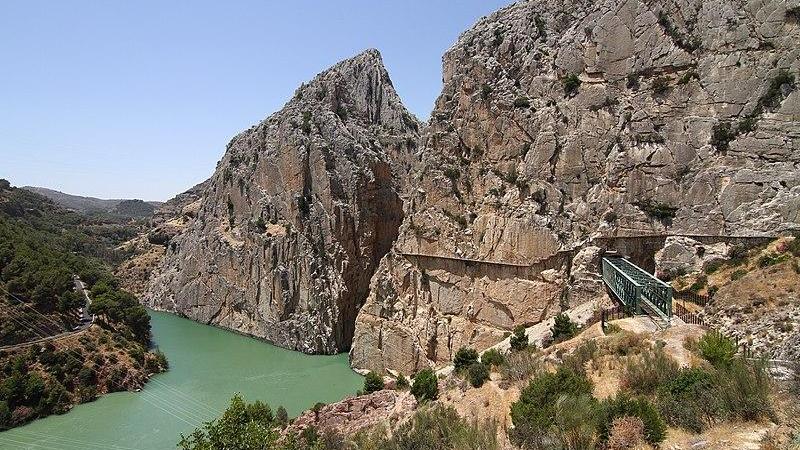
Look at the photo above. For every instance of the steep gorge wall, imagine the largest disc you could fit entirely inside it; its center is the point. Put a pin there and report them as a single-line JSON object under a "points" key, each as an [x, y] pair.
{"points": [[560, 123], [297, 215]]}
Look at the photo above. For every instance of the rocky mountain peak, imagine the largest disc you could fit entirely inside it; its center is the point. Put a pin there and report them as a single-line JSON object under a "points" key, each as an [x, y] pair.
{"points": [[359, 89], [298, 214]]}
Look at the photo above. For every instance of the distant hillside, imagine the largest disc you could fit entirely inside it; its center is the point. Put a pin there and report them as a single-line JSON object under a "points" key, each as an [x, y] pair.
{"points": [[91, 205]]}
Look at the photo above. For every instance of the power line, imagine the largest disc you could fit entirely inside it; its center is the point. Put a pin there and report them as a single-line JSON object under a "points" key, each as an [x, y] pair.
{"points": [[147, 397], [107, 446], [177, 392]]}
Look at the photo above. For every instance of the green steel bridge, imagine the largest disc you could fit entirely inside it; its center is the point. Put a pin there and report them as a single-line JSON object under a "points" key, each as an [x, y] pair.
{"points": [[639, 291]]}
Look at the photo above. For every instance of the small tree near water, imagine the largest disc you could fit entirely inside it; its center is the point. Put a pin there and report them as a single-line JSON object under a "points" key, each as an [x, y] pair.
{"points": [[373, 383]]}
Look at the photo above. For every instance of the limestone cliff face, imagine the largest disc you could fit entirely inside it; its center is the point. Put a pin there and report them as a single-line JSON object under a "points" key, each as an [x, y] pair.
{"points": [[560, 123], [298, 214]]}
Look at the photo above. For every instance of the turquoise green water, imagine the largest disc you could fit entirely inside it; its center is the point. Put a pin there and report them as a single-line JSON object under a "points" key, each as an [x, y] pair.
{"points": [[207, 366]]}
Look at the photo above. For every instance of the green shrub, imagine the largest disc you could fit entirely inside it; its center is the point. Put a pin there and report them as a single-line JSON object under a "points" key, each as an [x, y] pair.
{"points": [[713, 266], [582, 355], [536, 411], [575, 424], [492, 357], [660, 86], [522, 102], [769, 259], [563, 328], [240, 426], [425, 386], [519, 340], [5, 414], [281, 416], [689, 400], [657, 210], [402, 383], [435, 428], [632, 81], [645, 374], [623, 406], [721, 136], [373, 383], [743, 390], [477, 373], [571, 84], [738, 274], [774, 94], [688, 76], [486, 91], [452, 173], [717, 349], [464, 358]]}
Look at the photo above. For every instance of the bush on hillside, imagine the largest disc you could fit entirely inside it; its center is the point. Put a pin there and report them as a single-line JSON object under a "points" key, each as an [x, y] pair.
{"points": [[438, 427], [575, 424], [643, 375], [425, 386], [373, 383], [563, 328], [477, 373], [582, 355], [626, 433], [571, 84], [239, 427], [492, 357], [519, 366], [281, 416], [464, 358], [743, 390], [655, 429], [402, 383], [519, 340], [688, 400], [717, 349], [535, 412]]}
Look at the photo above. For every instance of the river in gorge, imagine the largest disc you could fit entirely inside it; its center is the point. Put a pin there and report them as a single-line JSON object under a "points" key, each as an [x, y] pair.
{"points": [[207, 366]]}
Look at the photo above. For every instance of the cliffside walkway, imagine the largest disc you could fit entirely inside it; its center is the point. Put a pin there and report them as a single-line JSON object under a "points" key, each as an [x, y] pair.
{"points": [[638, 290]]}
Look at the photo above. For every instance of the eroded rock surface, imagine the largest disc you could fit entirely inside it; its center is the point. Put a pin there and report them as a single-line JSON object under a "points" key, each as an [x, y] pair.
{"points": [[558, 123], [354, 414], [298, 214], [682, 255]]}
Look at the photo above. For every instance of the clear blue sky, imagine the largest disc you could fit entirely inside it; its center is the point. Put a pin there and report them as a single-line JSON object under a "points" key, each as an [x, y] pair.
{"points": [[137, 99]]}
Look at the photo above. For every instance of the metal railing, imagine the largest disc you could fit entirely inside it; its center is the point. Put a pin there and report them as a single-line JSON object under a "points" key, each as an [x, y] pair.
{"points": [[655, 291], [627, 290], [613, 313], [688, 316]]}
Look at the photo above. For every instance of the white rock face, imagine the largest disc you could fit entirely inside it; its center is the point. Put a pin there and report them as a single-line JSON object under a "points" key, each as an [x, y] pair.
{"points": [[560, 122], [299, 212], [683, 255]]}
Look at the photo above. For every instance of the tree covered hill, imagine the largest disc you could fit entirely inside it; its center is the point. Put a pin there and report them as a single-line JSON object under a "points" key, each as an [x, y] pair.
{"points": [[42, 247]]}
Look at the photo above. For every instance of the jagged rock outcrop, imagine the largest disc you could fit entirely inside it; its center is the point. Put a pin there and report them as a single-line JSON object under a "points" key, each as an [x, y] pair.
{"points": [[682, 255], [354, 414], [147, 250], [558, 123], [298, 214]]}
